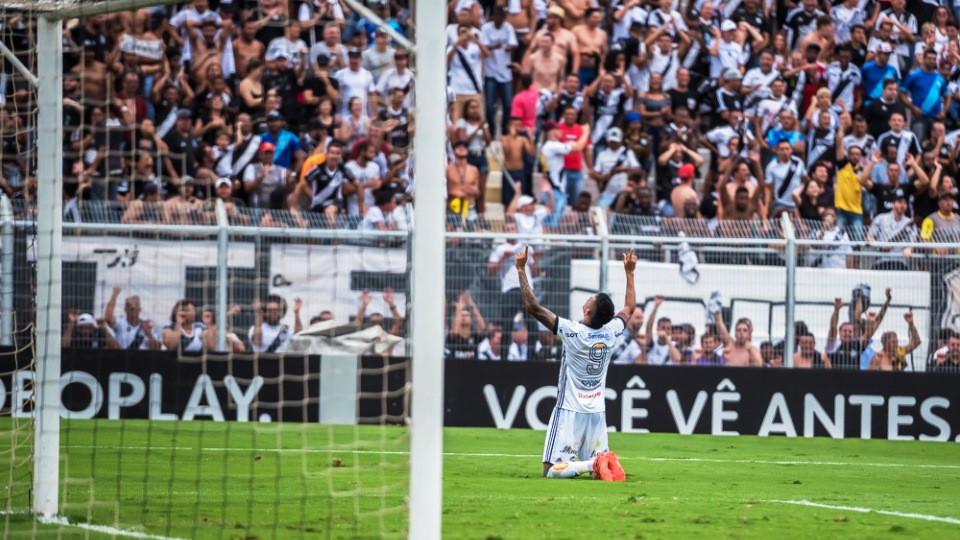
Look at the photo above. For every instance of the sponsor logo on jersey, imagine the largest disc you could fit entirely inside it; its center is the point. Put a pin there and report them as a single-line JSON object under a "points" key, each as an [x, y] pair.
{"points": [[590, 395], [598, 336], [589, 384]]}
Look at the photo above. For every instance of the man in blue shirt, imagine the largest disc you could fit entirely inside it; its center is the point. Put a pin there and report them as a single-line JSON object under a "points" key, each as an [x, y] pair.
{"points": [[925, 93], [875, 72], [368, 28], [288, 153]]}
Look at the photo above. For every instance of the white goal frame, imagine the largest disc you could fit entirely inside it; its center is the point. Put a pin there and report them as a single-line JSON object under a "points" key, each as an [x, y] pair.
{"points": [[426, 457]]}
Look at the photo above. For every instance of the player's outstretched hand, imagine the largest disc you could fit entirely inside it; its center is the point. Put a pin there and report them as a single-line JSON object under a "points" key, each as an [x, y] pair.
{"points": [[521, 258], [629, 261]]}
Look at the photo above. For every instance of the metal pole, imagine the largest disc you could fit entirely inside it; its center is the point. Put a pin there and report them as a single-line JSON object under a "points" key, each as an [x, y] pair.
{"points": [[6, 273], [601, 218], [396, 36], [223, 245], [429, 276], [46, 458], [791, 293]]}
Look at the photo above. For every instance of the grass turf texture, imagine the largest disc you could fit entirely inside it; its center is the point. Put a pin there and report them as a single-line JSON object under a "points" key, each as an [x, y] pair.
{"points": [[241, 486]]}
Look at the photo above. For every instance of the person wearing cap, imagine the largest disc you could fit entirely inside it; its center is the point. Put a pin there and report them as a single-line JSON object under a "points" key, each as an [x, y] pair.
{"points": [[564, 41], [876, 72], [612, 167], [83, 331], [501, 38], [800, 22], [331, 47], [286, 145], [356, 82], [726, 51], [261, 178], [728, 97], [366, 27], [554, 150], [894, 226], [463, 184], [182, 147], [183, 208], [399, 76], [684, 191], [379, 58], [465, 68], [147, 209], [942, 226], [223, 190]]}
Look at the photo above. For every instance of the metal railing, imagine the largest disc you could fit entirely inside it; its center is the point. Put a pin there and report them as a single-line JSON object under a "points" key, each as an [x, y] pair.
{"points": [[782, 282]]}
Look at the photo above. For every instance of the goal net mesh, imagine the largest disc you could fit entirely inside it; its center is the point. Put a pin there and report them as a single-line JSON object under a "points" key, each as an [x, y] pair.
{"points": [[232, 364]]}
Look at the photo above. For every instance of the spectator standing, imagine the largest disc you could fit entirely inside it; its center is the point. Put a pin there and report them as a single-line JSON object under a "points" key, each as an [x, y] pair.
{"points": [[465, 68], [942, 225], [501, 39], [573, 162], [848, 194], [876, 72], [546, 65], [379, 58], [611, 168], [783, 175], [398, 77], [287, 151], [263, 178], [554, 151], [893, 226], [929, 96], [367, 172], [463, 185], [356, 82], [463, 340], [82, 331], [472, 129]]}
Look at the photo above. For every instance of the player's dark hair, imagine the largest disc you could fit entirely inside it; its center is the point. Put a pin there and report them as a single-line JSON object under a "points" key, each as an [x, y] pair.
{"points": [[603, 311]]}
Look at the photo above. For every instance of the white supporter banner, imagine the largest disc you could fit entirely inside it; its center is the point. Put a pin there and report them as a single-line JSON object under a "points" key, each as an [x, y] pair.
{"points": [[758, 293], [152, 49], [321, 276], [154, 270]]}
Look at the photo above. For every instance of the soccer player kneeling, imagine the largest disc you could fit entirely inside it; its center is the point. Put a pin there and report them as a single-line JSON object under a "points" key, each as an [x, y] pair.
{"points": [[577, 438]]}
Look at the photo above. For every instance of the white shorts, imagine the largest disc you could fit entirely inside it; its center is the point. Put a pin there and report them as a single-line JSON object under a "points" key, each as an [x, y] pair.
{"points": [[574, 436]]}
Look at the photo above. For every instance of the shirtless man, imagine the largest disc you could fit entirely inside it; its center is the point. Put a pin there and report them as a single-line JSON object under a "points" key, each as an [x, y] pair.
{"points": [[247, 48], [463, 183], [523, 21], [823, 37], [515, 144], [739, 197], [93, 76], [684, 191], [206, 47], [563, 39], [546, 64], [575, 11], [738, 349], [592, 41]]}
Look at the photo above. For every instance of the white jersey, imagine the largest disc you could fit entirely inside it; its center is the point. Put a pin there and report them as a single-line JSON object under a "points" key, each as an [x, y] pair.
{"points": [[583, 369], [273, 338], [131, 336], [785, 178]]}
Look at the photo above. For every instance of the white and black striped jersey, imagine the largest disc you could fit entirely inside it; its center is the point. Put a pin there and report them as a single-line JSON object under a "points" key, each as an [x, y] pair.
{"points": [[785, 178], [327, 185], [799, 25], [905, 141]]}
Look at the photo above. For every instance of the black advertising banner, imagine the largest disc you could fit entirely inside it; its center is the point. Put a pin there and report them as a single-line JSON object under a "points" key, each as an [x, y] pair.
{"points": [[160, 386], [717, 400]]}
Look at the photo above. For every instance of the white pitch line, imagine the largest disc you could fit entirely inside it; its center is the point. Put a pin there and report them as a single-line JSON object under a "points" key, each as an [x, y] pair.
{"points": [[925, 517], [103, 529], [527, 456]]}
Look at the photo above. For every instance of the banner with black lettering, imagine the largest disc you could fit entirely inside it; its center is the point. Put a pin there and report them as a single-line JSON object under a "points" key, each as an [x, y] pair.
{"points": [[718, 401]]}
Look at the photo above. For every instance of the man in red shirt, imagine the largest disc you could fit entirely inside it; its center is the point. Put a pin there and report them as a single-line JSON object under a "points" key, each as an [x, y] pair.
{"points": [[570, 132]]}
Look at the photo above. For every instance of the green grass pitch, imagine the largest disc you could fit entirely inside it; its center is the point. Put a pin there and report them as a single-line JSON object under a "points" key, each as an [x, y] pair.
{"points": [[246, 481]]}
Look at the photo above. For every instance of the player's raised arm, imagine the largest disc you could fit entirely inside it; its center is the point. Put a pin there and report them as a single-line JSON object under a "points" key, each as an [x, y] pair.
{"points": [[630, 301], [530, 304]]}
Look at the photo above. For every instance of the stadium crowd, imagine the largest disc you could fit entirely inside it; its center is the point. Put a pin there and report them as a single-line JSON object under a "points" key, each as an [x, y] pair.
{"points": [[726, 114], [739, 110]]}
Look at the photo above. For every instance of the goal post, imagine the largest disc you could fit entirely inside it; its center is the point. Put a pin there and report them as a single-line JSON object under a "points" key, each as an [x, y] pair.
{"points": [[426, 320]]}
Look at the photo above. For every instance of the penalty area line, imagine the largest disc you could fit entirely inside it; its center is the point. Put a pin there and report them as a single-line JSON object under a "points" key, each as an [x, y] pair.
{"points": [[911, 515]]}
